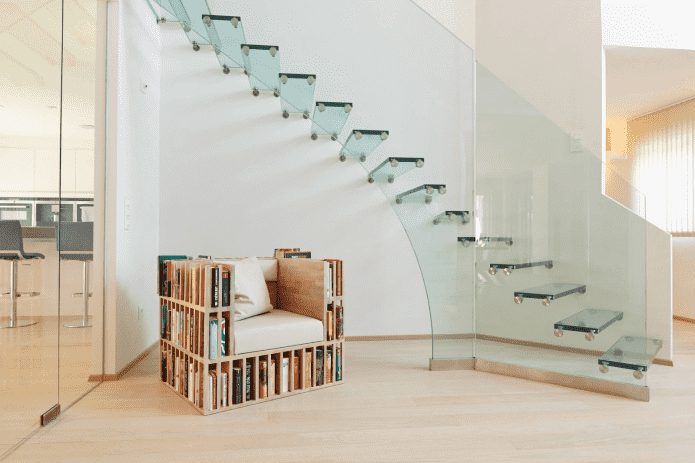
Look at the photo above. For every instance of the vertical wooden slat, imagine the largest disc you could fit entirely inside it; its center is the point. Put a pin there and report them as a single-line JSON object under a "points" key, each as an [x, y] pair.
{"points": [[290, 378]]}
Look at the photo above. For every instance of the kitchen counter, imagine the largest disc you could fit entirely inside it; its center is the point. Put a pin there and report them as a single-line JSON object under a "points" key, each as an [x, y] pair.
{"points": [[38, 233]]}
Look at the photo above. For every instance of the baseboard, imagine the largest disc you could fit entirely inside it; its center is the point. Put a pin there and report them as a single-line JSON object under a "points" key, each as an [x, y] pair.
{"points": [[452, 364], [409, 337], [629, 391], [684, 319], [125, 369]]}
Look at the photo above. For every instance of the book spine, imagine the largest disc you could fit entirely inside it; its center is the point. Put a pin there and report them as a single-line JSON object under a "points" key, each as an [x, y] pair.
{"points": [[329, 324], [329, 365], [213, 339], [340, 322], [295, 369], [271, 377], [192, 335], [223, 339], [308, 368], [196, 390], [263, 380], [185, 379], [214, 274], [164, 322], [338, 363], [339, 280], [319, 366], [214, 390], [285, 374], [297, 255], [164, 366], [225, 288], [236, 399], [210, 391], [191, 387], [248, 379], [225, 389]]}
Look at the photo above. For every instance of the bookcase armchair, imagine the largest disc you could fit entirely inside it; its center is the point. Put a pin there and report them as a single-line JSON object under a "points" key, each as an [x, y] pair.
{"points": [[218, 364]]}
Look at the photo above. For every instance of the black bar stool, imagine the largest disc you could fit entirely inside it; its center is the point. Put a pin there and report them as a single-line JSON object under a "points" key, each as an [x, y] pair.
{"points": [[12, 249], [75, 242]]}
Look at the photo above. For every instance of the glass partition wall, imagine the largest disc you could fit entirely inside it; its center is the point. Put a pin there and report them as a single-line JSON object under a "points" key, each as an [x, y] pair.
{"points": [[47, 173], [560, 267]]}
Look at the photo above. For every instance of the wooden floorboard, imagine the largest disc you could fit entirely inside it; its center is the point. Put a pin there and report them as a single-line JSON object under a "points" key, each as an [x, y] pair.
{"points": [[391, 408]]}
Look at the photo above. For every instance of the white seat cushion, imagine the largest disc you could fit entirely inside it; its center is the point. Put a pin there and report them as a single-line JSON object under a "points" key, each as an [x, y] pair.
{"points": [[275, 330]]}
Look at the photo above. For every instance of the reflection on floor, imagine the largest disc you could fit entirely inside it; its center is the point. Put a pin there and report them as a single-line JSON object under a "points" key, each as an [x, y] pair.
{"points": [[29, 373], [391, 408]]}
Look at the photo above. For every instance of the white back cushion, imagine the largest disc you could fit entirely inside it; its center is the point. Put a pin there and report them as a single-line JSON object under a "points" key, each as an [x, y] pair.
{"points": [[269, 265], [251, 293]]}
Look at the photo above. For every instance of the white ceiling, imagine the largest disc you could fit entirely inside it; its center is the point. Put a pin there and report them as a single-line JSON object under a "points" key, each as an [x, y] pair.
{"points": [[30, 71], [640, 80]]}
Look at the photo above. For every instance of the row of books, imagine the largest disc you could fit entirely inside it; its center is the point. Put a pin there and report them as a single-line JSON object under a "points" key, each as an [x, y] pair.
{"points": [[184, 329], [292, 253], [183, 374], [188, 280], [334, 330], [274, 380], [335, 277]]}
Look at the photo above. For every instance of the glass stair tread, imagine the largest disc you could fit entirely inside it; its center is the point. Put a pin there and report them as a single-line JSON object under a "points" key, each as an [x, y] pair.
{"points": [[166, 6], [226, 34], [362, 143], [297, 91], [329, 118], [590, 321], [190, 17], [551, 291], [394, 167], [467, 240], [632, 353], [262, 63], [428, 191], [452, 217], [520, 265]]}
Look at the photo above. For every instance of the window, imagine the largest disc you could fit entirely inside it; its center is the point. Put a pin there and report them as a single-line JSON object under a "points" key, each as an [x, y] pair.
{"points": [[663, 171]]}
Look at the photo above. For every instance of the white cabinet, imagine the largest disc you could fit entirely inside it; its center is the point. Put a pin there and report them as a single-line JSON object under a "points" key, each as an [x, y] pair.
{"points": [[84, 171], [41, 171], [46, 173], [67, 172]]}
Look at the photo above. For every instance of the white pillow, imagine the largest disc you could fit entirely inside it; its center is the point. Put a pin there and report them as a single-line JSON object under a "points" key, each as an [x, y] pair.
{"points": [[251, 292]]}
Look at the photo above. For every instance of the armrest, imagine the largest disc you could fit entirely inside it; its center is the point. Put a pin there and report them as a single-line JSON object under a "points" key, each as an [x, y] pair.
{"points": [[302, 287]]}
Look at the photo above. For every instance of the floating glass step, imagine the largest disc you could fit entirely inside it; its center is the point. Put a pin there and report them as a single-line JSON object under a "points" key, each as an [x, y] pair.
{"points": [[361, 143], [631, 353], [549, 292], [507, 269], [483, 240], [428, 191], [226, 34], [329, 119], [191, 19], [452, 217], [262, 64], [589, 321], [394, 167], [162, 11], [297, 92]]}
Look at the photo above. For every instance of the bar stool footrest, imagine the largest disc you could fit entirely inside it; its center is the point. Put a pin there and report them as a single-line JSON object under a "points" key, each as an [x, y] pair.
{"points": [[80, 294]]}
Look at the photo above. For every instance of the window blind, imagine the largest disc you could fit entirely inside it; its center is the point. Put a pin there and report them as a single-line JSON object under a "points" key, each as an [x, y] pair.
{"points": [[663, 171]]}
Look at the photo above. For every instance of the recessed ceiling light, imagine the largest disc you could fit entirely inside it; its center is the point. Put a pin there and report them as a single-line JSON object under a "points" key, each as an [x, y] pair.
{"points": [[87, 126]]}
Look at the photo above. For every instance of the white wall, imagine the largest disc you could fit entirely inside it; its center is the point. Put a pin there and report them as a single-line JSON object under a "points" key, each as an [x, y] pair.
{"points": [[238, 180], [458, 16], [684, 276], [550, 54], [132, 309]]}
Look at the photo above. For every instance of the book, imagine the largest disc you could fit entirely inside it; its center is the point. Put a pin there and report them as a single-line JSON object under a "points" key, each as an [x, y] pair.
{"points": [[319, 366], [329, 364], [308, 368], [176, 374], [272, 376], [185, 378], [340, 323], [212, 385], [223, 337], [279, 253], [329, 324], [215, 277], [196, 390], [186, 331], [213, 339], [296, 255], [192, 335], [249, 390], [339, 280], [170, 368], [165, 364], [225, 389], [191, 388], [225, 288], [236, 384], [163, 330], [263, 380], [338, 363], [296, 373], [285, 374]]}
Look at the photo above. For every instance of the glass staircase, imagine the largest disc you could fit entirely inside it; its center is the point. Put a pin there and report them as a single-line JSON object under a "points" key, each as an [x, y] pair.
{"points": [[540, 213]]}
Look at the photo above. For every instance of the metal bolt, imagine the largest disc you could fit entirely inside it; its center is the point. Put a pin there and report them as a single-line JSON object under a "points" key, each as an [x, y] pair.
{"points": [[466, 243], [603, 369], [558, 332], [235, 22], [305, 114], [370, 179], [399, 200], [342, 158], [276, 93], [273, 51], [420, 163], [384, 135], [507, 271], [638, 374], [437, 221], [428, 199], [358, 135], [196, 47], [246, 50], [256, 92], [314, 136], [442, 190], [225, 69], [589, 336], [322, 107], [363, 157], [429, 190], [546, 302], [283, 79], [492, 270], [311, 80], [285, 114], [394, 163], [518, 299], [348, 108], [206, 20], [334, 137], [391, 179]]}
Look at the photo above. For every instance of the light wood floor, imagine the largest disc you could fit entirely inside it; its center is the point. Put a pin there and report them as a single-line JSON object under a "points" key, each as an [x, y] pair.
{"points": [[391, 408]]}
